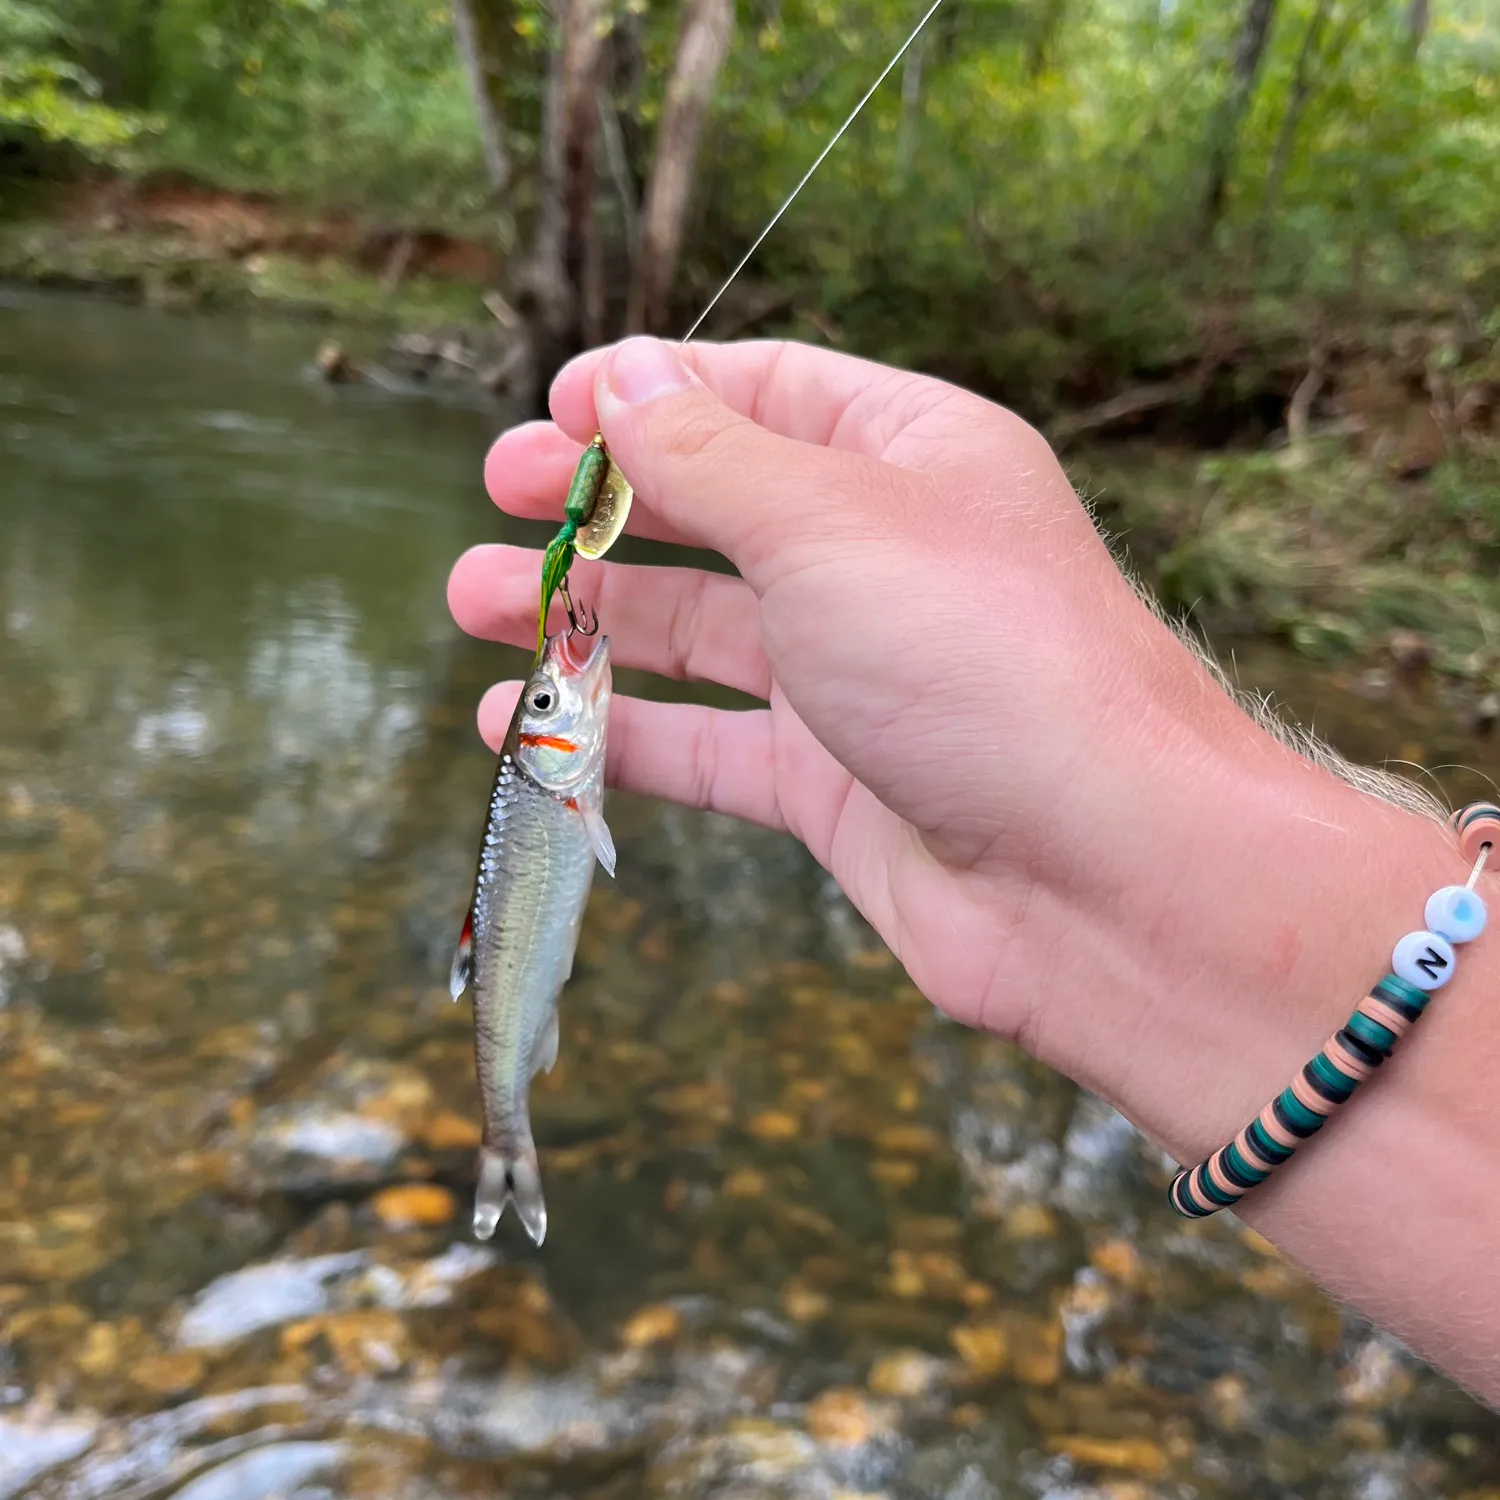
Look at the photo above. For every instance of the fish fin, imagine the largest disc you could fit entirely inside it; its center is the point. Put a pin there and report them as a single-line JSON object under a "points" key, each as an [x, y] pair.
{"points": [[510, 1178], [544, 1054], [590, 805], [461, 974]]}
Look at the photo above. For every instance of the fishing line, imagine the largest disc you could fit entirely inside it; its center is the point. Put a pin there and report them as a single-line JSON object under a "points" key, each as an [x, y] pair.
{"points": [[807, 176], [599, 497]]}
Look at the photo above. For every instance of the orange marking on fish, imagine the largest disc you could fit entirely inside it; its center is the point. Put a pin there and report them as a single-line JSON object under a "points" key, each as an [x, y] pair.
{"points": [[549, 742], [572, 804]]}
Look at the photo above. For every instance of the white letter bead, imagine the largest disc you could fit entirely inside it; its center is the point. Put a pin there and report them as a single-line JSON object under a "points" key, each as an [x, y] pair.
{"points": [[1455, 913], [1423, 959]]}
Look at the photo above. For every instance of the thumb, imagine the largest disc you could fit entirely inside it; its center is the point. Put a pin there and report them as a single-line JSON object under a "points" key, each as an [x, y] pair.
{"points": [[718, 478]]}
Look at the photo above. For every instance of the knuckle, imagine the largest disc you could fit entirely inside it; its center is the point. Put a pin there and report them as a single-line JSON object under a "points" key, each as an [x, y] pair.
{"points": [[683, 624], [705, 764], [706, 433]]}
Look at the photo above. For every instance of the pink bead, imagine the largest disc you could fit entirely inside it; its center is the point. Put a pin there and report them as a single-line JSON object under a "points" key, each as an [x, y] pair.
{"points": [[1477, 825]]}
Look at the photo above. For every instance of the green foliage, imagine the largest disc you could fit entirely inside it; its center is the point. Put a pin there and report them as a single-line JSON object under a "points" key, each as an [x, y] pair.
{"points": [[1021, 207], [328, 100], [1328, 551], [1045, 236], [48, 96]]}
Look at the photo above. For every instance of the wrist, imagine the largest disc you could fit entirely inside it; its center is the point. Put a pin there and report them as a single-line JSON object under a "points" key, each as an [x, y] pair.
{"points": [[1236, 971], [1250, 897], [1277, 913]]}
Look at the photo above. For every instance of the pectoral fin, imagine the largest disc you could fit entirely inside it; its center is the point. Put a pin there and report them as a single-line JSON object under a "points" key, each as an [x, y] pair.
{"points": [[461, 974], [591, 809]]}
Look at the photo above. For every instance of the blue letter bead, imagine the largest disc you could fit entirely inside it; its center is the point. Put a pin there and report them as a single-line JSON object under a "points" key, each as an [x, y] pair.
{"points": [[1455, 913], [1423, 959]]}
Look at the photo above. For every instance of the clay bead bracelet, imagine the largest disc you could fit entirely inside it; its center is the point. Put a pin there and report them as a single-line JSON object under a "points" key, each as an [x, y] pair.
{"points": [[1421, 963]]}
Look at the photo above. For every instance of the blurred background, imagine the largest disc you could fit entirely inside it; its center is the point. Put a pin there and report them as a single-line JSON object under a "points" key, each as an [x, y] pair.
{"points": [[272, 275]]}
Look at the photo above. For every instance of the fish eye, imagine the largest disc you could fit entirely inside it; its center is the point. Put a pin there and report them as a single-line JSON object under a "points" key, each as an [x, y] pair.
{"points": [[541, 699]]}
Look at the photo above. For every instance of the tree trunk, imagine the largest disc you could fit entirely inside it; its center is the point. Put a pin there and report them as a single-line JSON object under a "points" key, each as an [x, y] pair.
{"points": [[473, 55], [1296, 103], [1249, 52], [619, 169], [701, 50], [1044, 38], [564, 276], [1418, 19], [139, 56]]}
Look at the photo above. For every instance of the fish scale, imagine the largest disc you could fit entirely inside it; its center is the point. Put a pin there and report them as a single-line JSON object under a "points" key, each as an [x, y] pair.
{"points": [[533, 887]]}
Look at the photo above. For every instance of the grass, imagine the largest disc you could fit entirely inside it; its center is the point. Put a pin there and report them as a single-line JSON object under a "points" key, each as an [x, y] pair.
{"points": [[1329, 550]]}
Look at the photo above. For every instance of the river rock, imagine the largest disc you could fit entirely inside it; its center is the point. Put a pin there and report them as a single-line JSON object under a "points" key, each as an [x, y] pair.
{"points": [[414, 1205], [262, 1296]]}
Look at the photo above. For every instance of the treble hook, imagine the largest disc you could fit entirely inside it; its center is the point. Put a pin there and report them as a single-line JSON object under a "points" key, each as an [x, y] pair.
{"points": [[590, 625]]}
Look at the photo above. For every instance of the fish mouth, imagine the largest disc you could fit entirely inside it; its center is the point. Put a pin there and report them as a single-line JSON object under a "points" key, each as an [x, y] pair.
{"points": [[580, 655]]}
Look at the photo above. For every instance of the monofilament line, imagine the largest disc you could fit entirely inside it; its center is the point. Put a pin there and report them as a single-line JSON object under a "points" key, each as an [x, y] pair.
{"points": [[807, 176]]}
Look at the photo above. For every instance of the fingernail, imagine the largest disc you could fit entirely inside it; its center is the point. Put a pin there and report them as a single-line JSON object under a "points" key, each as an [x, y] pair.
{"points": [[644, 369]]}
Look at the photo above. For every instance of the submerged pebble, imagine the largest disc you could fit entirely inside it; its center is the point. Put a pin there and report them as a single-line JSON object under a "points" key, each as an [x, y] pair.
{"points": [[1134, 1455], [167, 1374], [651, 1325], [336, 1138], [414, 1204], [904, 1373], [261, 1297], [841, 1418]]}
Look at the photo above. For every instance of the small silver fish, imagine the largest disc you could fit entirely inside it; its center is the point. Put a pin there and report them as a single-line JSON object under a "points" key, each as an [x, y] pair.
{"points": [[544, 831]]}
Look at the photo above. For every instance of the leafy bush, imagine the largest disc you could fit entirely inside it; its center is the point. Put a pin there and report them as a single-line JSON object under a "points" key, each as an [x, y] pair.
{"points": [[46, 96]]}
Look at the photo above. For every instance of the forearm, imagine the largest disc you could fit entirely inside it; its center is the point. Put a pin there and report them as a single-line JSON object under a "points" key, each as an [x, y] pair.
{"points": [[1047, 806], [1274, 909]]}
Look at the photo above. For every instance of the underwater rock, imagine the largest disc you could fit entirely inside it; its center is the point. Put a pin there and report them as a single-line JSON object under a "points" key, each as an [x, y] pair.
{"points": [[262, 1296], [414, 1205]]}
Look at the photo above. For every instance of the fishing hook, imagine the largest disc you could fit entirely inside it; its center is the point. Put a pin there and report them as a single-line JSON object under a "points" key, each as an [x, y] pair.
{"points": [[590, 625]]}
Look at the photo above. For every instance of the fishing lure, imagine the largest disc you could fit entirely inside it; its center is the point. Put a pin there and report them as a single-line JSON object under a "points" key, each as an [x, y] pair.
{"points": [[545, 830], [597, 508]]}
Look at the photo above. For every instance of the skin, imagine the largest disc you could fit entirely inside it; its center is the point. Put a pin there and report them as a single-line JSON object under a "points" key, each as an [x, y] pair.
{"points": [[1064, 827]]}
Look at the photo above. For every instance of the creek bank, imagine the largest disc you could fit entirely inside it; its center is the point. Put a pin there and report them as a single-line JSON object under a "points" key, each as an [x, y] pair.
{"points": [[1390, 578]]}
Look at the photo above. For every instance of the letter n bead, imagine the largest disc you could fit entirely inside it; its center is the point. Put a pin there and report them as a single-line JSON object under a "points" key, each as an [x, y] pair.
{"points": [[1423, 959]]}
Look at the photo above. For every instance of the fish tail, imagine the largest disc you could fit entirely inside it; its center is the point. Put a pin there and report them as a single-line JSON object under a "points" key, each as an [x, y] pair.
{"points": [[506, 1176]]}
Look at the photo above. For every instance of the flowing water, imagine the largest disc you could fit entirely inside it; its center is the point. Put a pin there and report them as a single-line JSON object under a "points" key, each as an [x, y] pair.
{"points": [[807, 1238]]}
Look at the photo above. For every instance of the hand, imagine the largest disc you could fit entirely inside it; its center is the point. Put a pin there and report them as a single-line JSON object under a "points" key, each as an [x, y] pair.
{"points": [[1045, 802], [1011, 766]]}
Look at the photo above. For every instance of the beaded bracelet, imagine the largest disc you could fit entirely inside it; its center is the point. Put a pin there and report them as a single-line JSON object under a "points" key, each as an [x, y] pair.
{"points": [[1422, 962]]}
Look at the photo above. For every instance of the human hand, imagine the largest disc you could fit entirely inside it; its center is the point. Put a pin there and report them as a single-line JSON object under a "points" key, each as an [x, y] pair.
{"points": [[1042, 798], [1021, 777]]}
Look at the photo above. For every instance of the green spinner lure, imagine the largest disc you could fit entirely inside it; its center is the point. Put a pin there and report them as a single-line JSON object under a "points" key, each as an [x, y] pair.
{"points": [[598, 506]]}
